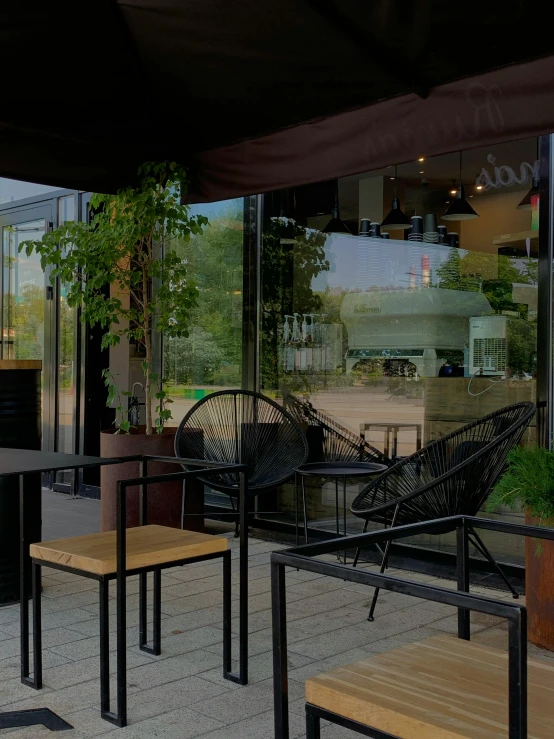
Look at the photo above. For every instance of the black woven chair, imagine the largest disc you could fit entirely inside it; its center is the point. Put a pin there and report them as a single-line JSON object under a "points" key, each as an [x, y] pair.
{"points": [[450, 476], [239, 426], [328, 441]]}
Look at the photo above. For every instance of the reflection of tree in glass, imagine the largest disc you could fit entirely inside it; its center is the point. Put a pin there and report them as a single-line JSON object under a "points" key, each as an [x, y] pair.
{"points": [[215, 261], [292, 256], [192, 360], [27, 311], [66, 345], [495, 275]]}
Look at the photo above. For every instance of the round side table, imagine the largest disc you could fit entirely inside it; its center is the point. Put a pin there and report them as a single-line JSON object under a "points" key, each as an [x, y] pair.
{"points": [[333, 471]]}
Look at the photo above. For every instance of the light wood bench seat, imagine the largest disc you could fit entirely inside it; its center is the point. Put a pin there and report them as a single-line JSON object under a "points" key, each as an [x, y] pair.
{"points": [[147, 546], [439, 688]]}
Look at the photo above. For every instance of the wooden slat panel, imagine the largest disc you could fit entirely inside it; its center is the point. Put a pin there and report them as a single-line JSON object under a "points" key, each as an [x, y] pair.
{"points": [[146, 546], [440, 688]]}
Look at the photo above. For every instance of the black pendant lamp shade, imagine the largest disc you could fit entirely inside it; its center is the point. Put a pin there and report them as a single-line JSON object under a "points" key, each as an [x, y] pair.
{"points": [[396, 219], [460, 209], [336, 225], [525, 204]]}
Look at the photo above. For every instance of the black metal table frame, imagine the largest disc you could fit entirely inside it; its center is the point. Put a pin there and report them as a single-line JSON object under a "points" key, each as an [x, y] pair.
{"points": [[303, 471], [303, 558], [204, 468]]}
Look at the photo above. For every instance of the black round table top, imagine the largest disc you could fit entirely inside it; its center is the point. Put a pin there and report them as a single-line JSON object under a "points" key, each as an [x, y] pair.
{"points": [[341, 469]]}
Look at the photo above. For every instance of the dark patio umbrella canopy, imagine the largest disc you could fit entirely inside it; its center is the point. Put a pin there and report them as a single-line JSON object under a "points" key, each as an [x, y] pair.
{"points": [[91, 91]]}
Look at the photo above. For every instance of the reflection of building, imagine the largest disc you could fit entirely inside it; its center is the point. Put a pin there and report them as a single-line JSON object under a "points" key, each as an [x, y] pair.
{"points": [[419, 325]]}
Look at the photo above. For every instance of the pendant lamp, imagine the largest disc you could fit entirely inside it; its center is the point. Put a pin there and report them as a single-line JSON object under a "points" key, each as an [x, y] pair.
{"points": [[460, 209], [336, 225], [525, 204], [396, 219]]}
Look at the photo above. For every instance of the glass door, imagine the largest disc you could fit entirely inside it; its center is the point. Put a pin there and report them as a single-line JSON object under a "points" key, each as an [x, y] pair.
{"points": [[27, 312]]}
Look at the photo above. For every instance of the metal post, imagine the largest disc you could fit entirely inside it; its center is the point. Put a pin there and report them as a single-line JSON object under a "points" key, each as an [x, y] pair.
{"points": [[121, 591], [157, 617], [280, 672], [344, 510], [462, 567], [23, 603], [243, 588], [227, 613], [517, 675], [305, 509], [296, 506], [313, 726], [37, 629], [337, 510], [143, 577], [104, 597]]}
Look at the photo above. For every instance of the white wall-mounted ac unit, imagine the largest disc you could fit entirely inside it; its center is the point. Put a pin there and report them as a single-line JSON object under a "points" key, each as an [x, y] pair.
{"points": [[488, 345]]}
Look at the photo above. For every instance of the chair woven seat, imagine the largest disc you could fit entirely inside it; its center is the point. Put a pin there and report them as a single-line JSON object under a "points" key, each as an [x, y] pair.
{"points": [[450, 476], [238, 426]]}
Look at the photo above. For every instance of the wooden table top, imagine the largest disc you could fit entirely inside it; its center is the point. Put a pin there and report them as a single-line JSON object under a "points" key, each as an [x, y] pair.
{"points": [[439, 688]]}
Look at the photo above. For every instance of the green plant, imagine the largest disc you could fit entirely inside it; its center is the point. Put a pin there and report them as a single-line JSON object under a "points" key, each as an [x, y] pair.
{"points": [[123, 271], [528, 482]]}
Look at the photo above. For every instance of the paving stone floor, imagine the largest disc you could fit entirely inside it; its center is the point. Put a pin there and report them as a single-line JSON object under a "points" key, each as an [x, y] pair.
{"points": [[181, 694]]}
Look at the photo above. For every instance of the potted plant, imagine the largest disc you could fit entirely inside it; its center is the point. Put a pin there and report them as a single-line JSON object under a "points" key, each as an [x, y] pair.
{"points": [[529, 482], [122, 271]]}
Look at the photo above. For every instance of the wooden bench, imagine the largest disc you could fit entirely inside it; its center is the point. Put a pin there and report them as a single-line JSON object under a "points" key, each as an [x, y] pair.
{"points": [[439, 688]]}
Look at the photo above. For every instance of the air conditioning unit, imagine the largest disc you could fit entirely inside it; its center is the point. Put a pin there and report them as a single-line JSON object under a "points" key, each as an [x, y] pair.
{"points": [[488, 345]]}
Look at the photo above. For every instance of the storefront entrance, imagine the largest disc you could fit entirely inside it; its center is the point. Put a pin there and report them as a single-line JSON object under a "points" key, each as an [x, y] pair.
{"points": [[35, 321]]}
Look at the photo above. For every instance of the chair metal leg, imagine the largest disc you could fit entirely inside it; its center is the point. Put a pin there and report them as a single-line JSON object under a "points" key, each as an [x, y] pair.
{"points": [[313, 726], [227, 615], [156, 648], [305, 509], [480, 546], [242, 676], [296, 521], [359, 549], [384, 564], [37, 627], [104, 597], [36, 680]]}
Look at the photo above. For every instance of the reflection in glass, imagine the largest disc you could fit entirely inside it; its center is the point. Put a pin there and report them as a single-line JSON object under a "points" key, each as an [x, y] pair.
{"points": [[435, 327], [23, 300], [210, 357]]}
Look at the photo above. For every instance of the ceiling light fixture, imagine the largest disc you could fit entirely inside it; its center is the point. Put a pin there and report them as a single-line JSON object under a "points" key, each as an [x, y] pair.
{"points": [[460, 209], [336, 225], [396, 219]]}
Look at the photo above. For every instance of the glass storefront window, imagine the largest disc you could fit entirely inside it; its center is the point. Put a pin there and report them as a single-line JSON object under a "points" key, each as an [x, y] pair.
{"points": [[210, 357], [426, 329]]}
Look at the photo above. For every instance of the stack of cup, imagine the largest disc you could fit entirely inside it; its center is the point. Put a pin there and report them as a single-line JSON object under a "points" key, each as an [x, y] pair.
{"points": [[375, 229], [442, 234], [385, 235], [453, 239], [416, 231], [364, 227], [430, 232]]}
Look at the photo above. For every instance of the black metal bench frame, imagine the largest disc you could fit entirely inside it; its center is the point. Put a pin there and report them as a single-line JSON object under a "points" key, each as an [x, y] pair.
{"points": [[304, 558], [119, 717]]}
